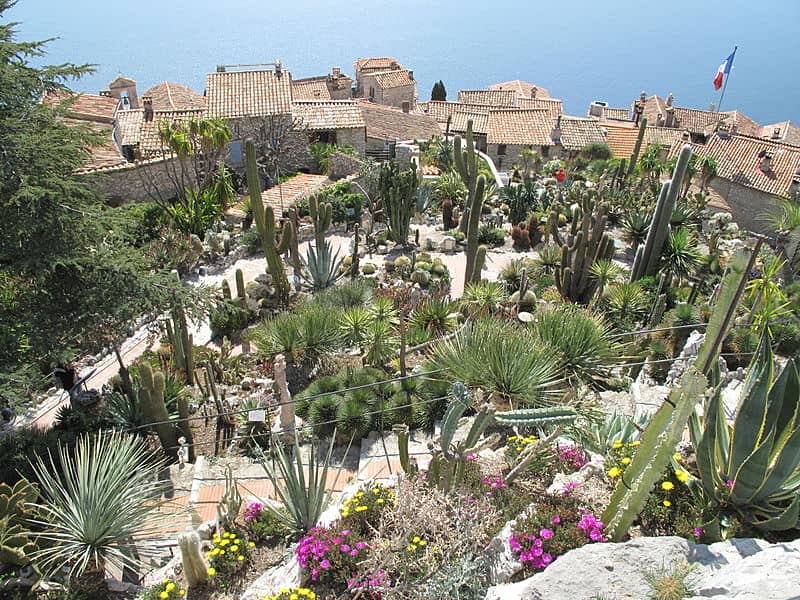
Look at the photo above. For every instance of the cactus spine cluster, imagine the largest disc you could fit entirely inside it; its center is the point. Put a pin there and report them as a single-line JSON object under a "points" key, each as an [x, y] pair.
{"points": [[466, 161], [154, 410], [666, 427], [194, 567], [265, 222], [586, 243], [649, 255]]}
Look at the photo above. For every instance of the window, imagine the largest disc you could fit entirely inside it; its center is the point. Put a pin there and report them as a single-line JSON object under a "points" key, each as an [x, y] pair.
{"points": [[545, 151], [371, 92], [501, 149], [326, 137], [235, 153]]}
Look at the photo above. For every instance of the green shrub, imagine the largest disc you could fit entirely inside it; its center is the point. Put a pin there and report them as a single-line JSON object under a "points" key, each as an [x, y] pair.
{"points": [[491, 236], [228, 319]]}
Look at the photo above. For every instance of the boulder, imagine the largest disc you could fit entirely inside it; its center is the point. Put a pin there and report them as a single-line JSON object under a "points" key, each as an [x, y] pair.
{"points": [[746, 569], [285, 575]]}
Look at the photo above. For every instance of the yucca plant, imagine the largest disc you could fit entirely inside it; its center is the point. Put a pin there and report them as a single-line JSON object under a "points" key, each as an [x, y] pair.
{"points": [[321, 266], [635, 225], [100, 509], [549, 257], [502, 358], [580, 341], [681, 255], [382, 309], [511, 275], [436, 315], [346, 295], [301, 488], [126, 413], [308, 334], [751, 467], [483, 298], [450, 186], [626, 304], [355, 323], [380, 343], [604, 272]]}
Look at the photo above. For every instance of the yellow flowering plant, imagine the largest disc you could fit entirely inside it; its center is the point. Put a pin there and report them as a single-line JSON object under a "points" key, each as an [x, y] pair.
{"points": [[362, 512], [298, 593], [167, 589], [229, 552]]}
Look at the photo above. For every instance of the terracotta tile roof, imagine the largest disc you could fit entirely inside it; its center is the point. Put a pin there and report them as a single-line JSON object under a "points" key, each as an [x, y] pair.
{"points": [[522, 89], [553, 106], [699, 121], [248, 94], [738, 161], [284, 195], [121, 81], [174, 96], [519, 127], [150, 143], [490, 97], [742, 124], [480, 121], [615, 114], [381, 63], [622, 138], [577, 133], [394, 79], [386, 123], [129, 126], [441, 110], [104, 156], [85, 107], [327, 115], [788, 132], [310, 89]]}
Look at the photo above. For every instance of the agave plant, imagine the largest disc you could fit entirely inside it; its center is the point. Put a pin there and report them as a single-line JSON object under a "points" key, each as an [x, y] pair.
{"points": [[436, 315], [752, 466], [599, 435], [635, 225], [580, 340], [549, 257], [355, 323], [100, 510], [321, 266], [483, 298], [604, 271], [626, 303], [499, 357]]}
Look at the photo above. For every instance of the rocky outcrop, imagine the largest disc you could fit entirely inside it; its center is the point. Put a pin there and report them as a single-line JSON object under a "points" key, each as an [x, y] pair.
{"points": [[745, 569]]}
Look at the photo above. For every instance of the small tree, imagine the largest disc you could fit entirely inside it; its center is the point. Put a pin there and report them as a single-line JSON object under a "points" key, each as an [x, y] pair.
{"points": [[439, 92]]}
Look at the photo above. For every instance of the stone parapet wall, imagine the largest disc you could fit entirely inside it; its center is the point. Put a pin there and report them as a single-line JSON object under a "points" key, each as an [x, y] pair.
{"points": [[134, 183]]}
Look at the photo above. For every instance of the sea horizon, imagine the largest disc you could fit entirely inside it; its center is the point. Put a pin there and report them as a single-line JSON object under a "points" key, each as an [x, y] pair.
{"points": [[582, 52]]}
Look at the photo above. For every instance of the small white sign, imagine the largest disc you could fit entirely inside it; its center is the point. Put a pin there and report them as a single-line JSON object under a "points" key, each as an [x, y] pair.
{"points": [[257, 416]]}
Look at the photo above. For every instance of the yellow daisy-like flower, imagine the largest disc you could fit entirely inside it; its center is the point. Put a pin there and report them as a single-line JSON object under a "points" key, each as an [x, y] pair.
{"points": [[376, 490], [170, 587], [422, 542], [677, 456], [251, 544], [361, 508], [379, 501], [667, 503], [416, 539], [634, 444], [411, 547], [614, 472], [518, 448], [163, 595], [359, 494], [165, 580], [222, 551], [240, 558], [626, 460], [667, 485], [345, 513], [682, 476], [294, 597], [211, 571], [182, 592], [617, 444], [234, 548]]}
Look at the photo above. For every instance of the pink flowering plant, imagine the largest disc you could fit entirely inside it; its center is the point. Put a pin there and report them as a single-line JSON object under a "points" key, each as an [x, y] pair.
{"points": [[331, 554], [558, 525], [263, 524]]}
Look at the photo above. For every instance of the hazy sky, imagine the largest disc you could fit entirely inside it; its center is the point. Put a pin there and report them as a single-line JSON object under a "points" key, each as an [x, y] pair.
{"points": [[578, 49]]}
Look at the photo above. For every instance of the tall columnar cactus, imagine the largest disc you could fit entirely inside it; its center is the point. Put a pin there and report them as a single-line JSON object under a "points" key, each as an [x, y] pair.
{"points": [[16, 546], [194, 566], [648, 256], [230, 504], [154, 410], [185, 425], [447, 214], [354, 256], [638, 147], [182, 344], [586, 243], [537, 417], [466, 161], [241, 291], [666, 427], [265, 222], [226, 290], [398, 194], [321, 213]]}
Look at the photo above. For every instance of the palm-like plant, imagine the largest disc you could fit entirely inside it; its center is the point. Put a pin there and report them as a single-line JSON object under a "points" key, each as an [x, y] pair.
{"points": [[380, 343], [450, 186], [635, 225], [499, 357], [580, 339], [604, 272], [483, 298], [764, 291], [785, 221], [383, 310], [681, 255], [100, 510]]}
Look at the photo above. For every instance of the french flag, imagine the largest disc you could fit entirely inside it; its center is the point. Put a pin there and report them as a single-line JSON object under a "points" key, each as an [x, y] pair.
{"points": [[724, 69]]}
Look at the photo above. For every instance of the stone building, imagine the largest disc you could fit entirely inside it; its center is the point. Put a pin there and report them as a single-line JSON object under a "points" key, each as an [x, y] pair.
{"points": [[174, 96], [521, 89], [621, 137], [509, 131], [331, 121], [369, 66], [395, 88], [785, 131], [385, 126], [573, 134], [752, 174], [124, 90], [335, 86]]}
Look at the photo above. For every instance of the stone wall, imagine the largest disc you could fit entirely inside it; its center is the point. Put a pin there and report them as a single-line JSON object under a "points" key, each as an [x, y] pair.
{"points": [[748, 206], [134, 183], [343, 165], [357, 138], [506, 162]]}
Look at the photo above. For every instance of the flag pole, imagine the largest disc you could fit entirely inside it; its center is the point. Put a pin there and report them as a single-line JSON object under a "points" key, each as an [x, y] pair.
{"points": [[727, 77]]}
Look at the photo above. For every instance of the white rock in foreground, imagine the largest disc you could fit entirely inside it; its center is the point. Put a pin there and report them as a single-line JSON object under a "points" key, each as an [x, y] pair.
{"points": [[744, 569]]}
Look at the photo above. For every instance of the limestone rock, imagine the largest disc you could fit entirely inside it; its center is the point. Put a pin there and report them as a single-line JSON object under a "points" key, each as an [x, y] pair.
{"points": [[284, 575], [747, 569]]}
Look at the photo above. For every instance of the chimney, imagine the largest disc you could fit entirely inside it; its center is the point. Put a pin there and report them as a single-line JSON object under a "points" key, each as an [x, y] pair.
{"points": [[406, 106], [533, 92], [660, 120], [643, 96], [106, 93], [147, 103], [411, 75], [278, 68], [336, 72], [776, 134], [558, 122], [220, 68], [670, 97], [765, 166], [670, 120]]}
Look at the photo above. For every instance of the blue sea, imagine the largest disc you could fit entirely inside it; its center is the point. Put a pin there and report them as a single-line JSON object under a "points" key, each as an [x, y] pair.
{"points": [[579, 50]]}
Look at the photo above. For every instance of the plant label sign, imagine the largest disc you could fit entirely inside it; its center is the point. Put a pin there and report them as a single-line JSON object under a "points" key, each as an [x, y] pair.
{"points": [[257, 416]]}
